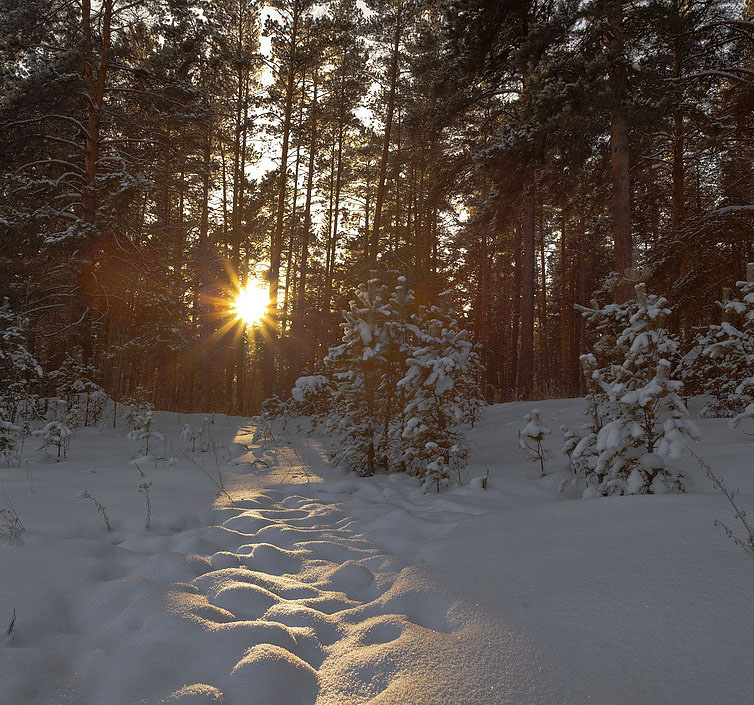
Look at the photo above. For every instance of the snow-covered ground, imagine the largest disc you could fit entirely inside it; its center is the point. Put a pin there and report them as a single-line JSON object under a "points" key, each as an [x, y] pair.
{"points": [[318, 587]]}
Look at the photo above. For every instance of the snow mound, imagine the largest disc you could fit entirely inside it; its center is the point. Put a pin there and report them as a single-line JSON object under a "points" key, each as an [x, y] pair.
{"points": [[271, 675]]}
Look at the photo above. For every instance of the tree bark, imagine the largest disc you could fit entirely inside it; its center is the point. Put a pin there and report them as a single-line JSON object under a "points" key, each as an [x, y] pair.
{"points": [[394, 64], [297, 328], [526, 352], [619, 150], [276, 244]]}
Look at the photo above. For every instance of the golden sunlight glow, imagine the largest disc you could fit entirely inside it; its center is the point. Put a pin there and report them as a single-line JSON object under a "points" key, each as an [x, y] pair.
{"points": [[251, 303]]}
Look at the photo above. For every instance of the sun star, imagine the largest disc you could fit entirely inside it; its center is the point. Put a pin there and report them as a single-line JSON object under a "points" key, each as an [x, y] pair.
{"points": [[251, 304]]}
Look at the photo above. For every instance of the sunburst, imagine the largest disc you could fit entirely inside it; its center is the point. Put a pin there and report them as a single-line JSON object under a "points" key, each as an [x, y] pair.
{"points": [[250, 304]]}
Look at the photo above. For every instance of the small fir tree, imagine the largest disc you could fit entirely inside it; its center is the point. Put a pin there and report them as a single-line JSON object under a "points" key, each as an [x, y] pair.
{"points": [[206, 435], [54, 439], [17, 365], [74, 382], [722, 361], [188, 434], [366, 369], [312, 396], [531, 437], [144, 430], [441, 372], [9, 436], [639, 418]]}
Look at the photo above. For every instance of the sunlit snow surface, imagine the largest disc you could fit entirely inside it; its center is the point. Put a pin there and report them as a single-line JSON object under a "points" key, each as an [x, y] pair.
{"points": [[323, 588]]}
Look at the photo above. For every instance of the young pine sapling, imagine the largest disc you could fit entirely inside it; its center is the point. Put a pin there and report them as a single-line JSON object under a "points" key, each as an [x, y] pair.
{"points": [[54, 435], [9, 435], [144, 430], [188, 434], [530, 439]]}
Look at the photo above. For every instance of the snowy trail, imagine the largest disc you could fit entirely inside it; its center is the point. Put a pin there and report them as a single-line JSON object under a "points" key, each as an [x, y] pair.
{"points": [[279, 599]]}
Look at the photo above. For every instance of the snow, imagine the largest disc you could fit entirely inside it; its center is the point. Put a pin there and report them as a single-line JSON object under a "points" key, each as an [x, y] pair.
{"points": [[319, 587], [310, 384]]}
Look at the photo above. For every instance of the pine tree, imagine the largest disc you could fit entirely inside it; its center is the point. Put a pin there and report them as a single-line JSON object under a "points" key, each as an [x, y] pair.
{"points": [[530, 439], [365, 369], [639, 419], [17, 365], [723, 358], [442, 369], [9, 435], [144, 431], [188, 434], [54, 435]]}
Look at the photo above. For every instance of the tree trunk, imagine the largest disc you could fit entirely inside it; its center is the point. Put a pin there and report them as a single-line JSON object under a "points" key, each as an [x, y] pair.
{"points": [[544, 342], [394, 63], [276, 244], [297, 328], [619, 150], [94, 88], [526, 353], [565, 309]]}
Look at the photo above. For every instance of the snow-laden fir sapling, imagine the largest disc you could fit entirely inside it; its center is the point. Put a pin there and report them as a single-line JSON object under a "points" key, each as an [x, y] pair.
{"points": [[54, 435], [721, 362], [144, 489], [436, 473], [144, 431], [530, 439], [262, 431], [85, 494], [639, 419], [9, 436], [188, 434]]}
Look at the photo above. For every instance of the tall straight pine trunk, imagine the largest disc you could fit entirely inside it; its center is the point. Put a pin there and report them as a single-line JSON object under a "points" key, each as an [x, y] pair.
{"points": [[619, 150]]}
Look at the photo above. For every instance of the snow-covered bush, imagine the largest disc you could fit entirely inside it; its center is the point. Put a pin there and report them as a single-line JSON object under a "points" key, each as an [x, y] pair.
{"points": [[74, 383], [188, 434], [639, 420], [54, 439], [273, 408], [436, 473], [311, 398], [581, 449], [398, 388], [136, 407], [262, 430], [144, 431], [530, 439], [9, 436], [722, 361], [312, 395], [17, 365], [747, 413]]}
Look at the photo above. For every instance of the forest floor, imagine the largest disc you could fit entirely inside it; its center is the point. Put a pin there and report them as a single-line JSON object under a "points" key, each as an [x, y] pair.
{"points": [[299, 584]]}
